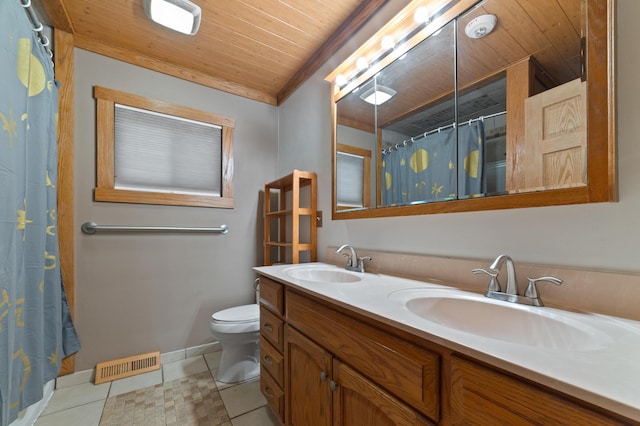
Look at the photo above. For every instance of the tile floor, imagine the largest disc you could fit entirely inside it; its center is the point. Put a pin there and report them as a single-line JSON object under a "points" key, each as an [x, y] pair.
{"points": [[83, 403]]}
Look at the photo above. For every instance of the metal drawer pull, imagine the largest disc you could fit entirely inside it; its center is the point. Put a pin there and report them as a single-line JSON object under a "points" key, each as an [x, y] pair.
{"points": [[267, 327], [267, 393], [333, 385], [323, 376], [267, 360]]}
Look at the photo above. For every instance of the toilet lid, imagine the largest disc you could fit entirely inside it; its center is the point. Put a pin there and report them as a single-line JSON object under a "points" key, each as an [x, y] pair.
{"points": [[238, 314]]}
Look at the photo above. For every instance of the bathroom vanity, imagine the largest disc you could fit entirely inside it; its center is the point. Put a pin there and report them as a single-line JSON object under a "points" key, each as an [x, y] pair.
{"points": [[342, 347]]}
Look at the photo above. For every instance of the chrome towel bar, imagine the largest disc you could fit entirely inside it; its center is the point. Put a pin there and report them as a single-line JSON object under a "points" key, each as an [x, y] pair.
{"points": [[92, 228]]}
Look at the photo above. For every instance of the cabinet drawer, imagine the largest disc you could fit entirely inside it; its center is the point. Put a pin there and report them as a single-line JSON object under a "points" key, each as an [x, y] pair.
{"points": [[272, 295], [272, 393], [271, 328], [272, 361], [403, 369]]}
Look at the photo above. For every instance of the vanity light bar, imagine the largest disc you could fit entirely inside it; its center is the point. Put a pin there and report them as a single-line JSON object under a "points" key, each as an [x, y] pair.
{"points": [[392, 41]]}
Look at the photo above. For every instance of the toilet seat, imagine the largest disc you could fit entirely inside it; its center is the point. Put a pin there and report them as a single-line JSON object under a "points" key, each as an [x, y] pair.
{"points": [[239, 319], [237, 315]]}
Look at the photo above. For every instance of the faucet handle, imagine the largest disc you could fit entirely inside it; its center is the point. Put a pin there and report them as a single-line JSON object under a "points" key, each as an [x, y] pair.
{"points": [[532, 290], [494, 285], [361, 262], [349, 259]]}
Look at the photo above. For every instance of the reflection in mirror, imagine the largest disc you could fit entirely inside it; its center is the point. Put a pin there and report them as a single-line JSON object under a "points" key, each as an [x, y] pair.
{"points": [[477, 111], [418, 160], [355, 135], [538, 46], [353, 175]]}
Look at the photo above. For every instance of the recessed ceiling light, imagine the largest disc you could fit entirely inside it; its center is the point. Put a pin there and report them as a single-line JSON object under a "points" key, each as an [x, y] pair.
{"points": [[178, 15], [378, 95]]}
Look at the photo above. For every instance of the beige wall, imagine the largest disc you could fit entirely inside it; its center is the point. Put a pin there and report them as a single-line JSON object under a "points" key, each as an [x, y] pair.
{"points": [[137, 293], [600, 236]]}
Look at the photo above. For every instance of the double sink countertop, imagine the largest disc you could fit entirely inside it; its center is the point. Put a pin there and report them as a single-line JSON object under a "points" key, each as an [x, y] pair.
{"points": [[592, 357]]}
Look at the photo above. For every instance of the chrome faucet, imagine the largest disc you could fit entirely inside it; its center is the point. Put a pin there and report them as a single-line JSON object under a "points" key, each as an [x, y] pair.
{"points": [[354, 263], [512, 282], [494, 291]]}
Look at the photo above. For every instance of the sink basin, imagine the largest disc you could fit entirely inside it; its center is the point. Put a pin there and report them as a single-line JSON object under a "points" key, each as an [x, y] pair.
{"points": [[324, 274], [508, 322]]}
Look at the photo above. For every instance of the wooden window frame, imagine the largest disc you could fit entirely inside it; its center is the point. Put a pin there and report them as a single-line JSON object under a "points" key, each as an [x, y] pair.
{"points": [[105, 149]]}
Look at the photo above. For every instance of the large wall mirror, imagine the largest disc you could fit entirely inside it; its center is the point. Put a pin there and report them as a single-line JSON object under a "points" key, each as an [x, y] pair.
{"points": [[465, 105]]}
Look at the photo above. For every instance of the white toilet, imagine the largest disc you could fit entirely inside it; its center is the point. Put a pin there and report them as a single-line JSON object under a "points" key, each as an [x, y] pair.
{"points": [[238, 331]]}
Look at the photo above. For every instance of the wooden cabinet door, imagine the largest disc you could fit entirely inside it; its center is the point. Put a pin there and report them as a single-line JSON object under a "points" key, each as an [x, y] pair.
{"points": [[555, 153], [307, 377], [406, 371], [483, 396], [357, 402]]}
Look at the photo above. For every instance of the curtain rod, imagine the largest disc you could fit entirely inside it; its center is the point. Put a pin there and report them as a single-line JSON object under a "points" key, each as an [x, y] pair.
{"points": [[438, 130], [92, 227], [37, 26]]}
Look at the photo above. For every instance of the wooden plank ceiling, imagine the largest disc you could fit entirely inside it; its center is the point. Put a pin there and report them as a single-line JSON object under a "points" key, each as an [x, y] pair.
{"points": [[262, 50], [548, 31]]}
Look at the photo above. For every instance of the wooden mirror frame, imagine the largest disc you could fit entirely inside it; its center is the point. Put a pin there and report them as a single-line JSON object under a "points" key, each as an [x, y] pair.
{"points": [[601, 148]]}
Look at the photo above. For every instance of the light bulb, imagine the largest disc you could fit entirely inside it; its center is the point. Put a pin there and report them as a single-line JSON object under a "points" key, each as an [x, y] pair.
{"points": [[422, 15], [341, 80], [387, 42], [362, 63]]}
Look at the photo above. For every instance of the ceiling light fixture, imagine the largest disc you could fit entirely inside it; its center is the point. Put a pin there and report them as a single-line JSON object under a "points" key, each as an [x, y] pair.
{"points": [[178, 15], [418, 17], [480, 26], [378, 95]]}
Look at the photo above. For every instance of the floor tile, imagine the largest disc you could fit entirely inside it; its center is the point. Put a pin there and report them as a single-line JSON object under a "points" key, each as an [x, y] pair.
{"points": [[85, 415], [86, 404], [85, 376], [260, 417], [179, 369], [193, 400], [242, 398], [77, 395], [132, 383]]}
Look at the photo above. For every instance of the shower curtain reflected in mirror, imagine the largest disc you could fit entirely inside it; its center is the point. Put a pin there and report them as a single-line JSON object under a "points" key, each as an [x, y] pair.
{"points": [[35, 328], [434, 168]]}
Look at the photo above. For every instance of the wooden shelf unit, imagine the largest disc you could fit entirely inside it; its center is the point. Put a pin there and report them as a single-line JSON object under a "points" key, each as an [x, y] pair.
{"points": [[289, 226]]}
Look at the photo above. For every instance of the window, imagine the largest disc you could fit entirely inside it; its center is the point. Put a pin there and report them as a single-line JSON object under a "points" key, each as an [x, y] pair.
{"points": [[353, 175], [152, 152]]}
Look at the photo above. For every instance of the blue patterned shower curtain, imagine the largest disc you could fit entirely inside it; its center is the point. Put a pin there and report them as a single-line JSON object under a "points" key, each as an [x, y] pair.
{"points": [[35, 328], [433, 168]]}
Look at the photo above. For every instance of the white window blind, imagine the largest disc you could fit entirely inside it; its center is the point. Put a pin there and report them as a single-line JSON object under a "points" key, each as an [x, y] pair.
{"points": [[163, 153], [349, 177]]}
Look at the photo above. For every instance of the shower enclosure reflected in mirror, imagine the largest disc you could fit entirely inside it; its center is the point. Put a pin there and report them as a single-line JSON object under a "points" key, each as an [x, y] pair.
{"points": [[458, 120]]}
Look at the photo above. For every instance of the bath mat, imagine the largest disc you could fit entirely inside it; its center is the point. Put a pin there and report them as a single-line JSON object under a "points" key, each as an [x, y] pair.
{"points": [[192, 400]]}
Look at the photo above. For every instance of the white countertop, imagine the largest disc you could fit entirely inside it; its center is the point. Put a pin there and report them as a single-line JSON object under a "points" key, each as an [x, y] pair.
{"points": [[606, 375]]}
